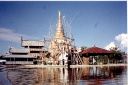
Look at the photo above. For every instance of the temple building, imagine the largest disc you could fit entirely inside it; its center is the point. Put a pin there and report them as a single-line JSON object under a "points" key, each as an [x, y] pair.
{"points": [[32, 51], [60, 44]]}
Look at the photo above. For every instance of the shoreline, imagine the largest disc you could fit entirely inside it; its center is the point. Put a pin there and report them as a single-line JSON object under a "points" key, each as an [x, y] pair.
{"points": [[65, 66], [105, 65]]}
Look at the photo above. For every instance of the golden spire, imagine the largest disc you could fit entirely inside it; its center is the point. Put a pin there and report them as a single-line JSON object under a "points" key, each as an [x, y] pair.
{"points": [[59, 31]]}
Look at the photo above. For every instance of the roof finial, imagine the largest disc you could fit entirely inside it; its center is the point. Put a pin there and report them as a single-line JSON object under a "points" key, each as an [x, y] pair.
{"points": [[59, 13], [59, 30], [94, 45]]}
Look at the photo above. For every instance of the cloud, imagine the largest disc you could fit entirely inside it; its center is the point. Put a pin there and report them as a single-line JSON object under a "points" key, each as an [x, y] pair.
{"points": [[10, 35], [121, 41], [111, 45]]}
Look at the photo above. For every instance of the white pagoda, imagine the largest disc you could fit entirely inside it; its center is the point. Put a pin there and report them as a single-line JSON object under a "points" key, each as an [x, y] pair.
{"points": [[60, 44]]}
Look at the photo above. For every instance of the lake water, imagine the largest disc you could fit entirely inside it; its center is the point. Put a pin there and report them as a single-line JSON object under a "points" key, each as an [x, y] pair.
{"points": [[63, 76]]}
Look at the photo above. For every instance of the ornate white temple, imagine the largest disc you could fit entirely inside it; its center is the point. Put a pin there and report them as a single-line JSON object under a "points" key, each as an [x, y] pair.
{"points": [[60, 44]]}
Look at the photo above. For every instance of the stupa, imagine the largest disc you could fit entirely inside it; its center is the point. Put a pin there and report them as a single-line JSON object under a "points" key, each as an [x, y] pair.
{"points": [[60, 44]]}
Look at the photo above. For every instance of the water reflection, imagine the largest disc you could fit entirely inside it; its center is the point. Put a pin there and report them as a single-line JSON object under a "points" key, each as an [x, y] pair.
{"points": [[98, 76], [69, 76]]}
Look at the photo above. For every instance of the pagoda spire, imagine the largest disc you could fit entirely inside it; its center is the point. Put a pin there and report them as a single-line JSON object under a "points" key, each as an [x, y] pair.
{"points": [[59, 31]]}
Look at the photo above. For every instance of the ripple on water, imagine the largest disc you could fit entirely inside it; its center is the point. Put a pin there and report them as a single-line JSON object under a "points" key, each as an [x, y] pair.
{"points": [[62, 76]]}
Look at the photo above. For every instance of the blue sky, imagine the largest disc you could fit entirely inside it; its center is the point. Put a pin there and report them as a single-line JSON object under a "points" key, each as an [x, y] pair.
{"points": [[93, 23]]}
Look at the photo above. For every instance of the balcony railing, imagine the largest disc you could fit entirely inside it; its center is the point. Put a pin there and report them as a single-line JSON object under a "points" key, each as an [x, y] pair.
{"points": [[33, 49]]}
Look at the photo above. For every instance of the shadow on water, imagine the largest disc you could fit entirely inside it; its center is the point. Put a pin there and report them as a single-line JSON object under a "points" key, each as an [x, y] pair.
{"points": [[3, 76], [68, 76]]}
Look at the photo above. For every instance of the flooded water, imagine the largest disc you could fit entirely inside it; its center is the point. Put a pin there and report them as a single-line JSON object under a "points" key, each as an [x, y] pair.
{"points": [[63, 76]]}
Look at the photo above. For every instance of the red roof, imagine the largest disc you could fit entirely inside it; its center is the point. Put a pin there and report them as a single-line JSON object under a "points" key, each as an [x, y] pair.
{"points": [[95, 50]]}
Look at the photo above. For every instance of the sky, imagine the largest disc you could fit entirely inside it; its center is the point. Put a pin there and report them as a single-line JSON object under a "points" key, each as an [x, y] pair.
{"points": [[91, 23]]}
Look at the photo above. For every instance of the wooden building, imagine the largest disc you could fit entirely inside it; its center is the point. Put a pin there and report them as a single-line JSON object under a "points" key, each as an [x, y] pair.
{"points": [[96, 55]]}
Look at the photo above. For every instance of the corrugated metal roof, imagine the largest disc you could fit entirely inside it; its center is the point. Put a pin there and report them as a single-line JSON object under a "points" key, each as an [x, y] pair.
{"points": [[95, 50]]}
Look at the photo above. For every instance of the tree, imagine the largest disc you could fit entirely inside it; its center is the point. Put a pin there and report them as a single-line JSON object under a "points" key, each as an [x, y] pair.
{"points": [[117, 54], [83, 48]]}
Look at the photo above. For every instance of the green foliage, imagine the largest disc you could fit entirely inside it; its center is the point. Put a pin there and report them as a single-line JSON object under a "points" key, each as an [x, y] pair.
{"points": [[117, 55], [83, 48]]}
